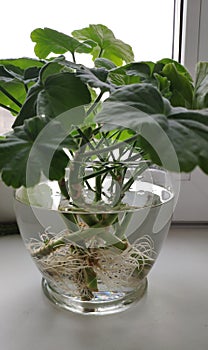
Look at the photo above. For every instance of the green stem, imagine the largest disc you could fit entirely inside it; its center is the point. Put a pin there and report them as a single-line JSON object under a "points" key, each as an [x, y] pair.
{"points": [[87, 142], [110, 148], [85, 138], [107, 144], [80, 235], [100, 172], [100, 53], [26, 88], [47, 249], [132, 149], [89, 219], [94, 105], [73, 57], [98, 185], [63, 188], [121, 228], [137, 172], [75, 185]]}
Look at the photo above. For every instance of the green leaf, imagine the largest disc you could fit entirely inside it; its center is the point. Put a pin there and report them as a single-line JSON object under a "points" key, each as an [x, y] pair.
{"points": [[181, 87], [107, 45], [86, 46], [50, 68], [179, 67], [132, 73], [23, 69], [14, 88], [142, 109], [46, 152], [16, 76], [11, 72], [55, 94], [22, 63], [188, 131], [61, 92], [29, 108], [51, 41], [141, 69], [95, 77], [104, 63], [31, 74], [201, 86], [163, 85], [143, 97]]}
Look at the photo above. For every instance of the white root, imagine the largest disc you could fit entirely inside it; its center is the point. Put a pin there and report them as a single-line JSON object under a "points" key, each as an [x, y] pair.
{"points": [[115, 269]]}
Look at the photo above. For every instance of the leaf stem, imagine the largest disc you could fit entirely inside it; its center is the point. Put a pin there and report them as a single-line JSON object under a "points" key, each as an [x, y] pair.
{"points": [[63, 188], [73, 57], [111, 148], [100, 53], [98, 98]]}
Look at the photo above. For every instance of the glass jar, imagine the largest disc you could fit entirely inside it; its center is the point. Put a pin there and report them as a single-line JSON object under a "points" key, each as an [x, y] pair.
{"points": [[96, 246]]}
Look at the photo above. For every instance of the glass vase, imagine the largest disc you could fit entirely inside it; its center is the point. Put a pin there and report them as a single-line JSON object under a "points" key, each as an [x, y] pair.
{"points": [[96, 245]]}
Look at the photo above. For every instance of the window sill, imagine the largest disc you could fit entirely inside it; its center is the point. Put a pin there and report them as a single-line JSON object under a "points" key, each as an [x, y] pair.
{"points": [[173, 315]]}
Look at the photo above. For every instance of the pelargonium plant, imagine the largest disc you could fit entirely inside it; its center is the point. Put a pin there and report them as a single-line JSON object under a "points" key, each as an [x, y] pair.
{"points": [[119, 111]]}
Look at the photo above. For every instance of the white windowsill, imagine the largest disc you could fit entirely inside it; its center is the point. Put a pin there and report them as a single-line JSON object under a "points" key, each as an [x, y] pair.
{"points": [[172, 316]]}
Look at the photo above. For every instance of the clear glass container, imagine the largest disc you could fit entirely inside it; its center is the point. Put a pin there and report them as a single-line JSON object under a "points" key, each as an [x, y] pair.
{"points": [[96, 247]]}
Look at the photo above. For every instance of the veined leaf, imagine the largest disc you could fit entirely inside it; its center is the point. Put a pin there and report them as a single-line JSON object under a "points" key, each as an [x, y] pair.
{"points": [[95, 77], [12, 93], [16, 76], [179, 67], [141, 69], [61, 92], [132, 73], [141, 108], [22, 62], [201, 86], [107, 45], [181, 87], [104, 63], [188, 132], [29, 107], [24, 156], [51, 41], [143, 97], [22, 69], [54, 95], [163, 85], [50, 68]]}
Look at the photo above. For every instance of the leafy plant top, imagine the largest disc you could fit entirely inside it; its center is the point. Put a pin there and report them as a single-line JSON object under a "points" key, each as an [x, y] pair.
{"points": [[77, 112]]}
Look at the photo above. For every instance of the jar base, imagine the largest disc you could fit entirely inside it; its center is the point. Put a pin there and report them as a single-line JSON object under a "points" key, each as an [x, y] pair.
{"points": [[104, 303]]}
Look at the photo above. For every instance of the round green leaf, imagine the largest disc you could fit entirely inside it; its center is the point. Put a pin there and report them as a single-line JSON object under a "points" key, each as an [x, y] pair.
{"points": [[24, 155], [51, 41], [141, 108], [107, 45]]}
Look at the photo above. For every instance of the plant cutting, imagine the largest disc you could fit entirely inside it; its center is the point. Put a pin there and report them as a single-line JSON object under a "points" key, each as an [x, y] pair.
{"points": [[90, 157]]}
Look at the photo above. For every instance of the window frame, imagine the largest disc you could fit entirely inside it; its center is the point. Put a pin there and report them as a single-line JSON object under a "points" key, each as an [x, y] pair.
{"points": [[193, 28], [192, 47]]}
